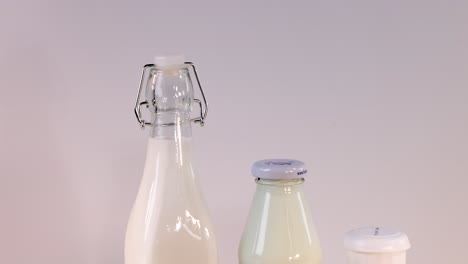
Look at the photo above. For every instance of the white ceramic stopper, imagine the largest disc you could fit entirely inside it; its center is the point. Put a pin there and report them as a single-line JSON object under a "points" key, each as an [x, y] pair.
{"points": [[172, 61]]}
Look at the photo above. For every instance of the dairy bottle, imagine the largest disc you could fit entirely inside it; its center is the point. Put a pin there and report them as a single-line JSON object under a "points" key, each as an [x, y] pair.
{"points": [[169, 222], [376, 245], [279, 228]]}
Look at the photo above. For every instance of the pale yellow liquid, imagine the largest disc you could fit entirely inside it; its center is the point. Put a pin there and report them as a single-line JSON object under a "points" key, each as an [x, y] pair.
{"points": [[279, 228], [169, 222]]}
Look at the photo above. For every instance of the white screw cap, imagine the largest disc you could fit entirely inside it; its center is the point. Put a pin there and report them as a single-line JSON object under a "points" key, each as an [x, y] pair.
{"points": [[279, 169], [375, 239]]}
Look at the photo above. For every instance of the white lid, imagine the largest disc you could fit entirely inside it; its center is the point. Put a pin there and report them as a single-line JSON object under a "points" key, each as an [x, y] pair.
{"points": [[279, 169], [375, 239], [170, 61]]}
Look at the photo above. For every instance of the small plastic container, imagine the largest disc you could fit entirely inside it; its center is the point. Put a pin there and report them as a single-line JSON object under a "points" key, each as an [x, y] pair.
{"points": [[376, 245]]}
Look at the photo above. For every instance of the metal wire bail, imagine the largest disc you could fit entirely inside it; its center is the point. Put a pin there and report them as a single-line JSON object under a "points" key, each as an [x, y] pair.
{"points": [[203, 104]]}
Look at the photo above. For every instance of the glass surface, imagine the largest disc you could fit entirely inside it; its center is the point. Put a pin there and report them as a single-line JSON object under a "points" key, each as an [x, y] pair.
{"points": [[279, 227], [169, 222]]}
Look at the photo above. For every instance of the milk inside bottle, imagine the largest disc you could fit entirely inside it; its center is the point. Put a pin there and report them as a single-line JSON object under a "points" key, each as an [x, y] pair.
{"points": [[169, 222], [279, 228]]}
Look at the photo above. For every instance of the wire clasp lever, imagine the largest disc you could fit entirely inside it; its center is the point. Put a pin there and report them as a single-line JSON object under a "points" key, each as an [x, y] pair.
{"points": [[148, 69]]}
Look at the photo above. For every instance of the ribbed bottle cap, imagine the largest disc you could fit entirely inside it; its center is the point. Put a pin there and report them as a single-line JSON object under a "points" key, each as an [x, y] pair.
{"points": [[279, 169]]}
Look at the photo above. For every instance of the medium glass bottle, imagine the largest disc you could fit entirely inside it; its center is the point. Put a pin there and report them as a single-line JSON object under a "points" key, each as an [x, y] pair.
{"points": [[169, 222], [279, 227]]}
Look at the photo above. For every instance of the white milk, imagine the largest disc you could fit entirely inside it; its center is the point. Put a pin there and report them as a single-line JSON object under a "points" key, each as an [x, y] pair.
{"points": [[279, 228], [169, 222]]}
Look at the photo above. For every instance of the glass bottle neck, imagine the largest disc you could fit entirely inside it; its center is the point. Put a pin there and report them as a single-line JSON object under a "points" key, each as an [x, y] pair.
{"points": [[280, 187], [171, 125], [170, 145], [280, 183]]}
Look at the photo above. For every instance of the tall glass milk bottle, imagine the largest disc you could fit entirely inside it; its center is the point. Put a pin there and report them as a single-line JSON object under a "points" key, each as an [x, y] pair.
{"points": [[279, 227], [169, 222]]}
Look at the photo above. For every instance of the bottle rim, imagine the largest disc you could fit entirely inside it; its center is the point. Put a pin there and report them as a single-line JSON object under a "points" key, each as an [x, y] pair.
{"points": [[279, 182]]}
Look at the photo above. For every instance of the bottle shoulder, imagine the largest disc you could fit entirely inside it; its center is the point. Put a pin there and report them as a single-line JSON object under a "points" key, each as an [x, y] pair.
{"points": [[281, 225]]}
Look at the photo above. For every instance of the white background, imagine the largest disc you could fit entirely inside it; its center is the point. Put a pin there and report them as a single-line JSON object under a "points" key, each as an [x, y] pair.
{"points": [[373, 95]]}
